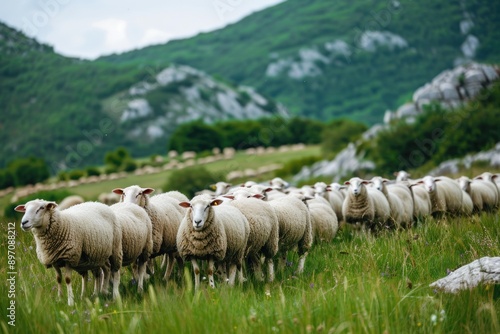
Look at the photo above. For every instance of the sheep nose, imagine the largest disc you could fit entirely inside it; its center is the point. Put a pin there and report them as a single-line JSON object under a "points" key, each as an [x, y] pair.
{"points": [[25, 222], [197, 222]]}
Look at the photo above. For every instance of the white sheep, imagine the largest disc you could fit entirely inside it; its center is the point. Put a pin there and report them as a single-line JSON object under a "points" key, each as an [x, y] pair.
{"points": [[264, 231], [213, 232], [324, 221], [333, 196], [400, 202], [295, 229], [402, 176], [444, 193], [489, 180], [365, 206], [83, 237], [481, 193], [70, 201], [220, 188], [421, 200], [165, 219], [137, 241], [108, 198]]}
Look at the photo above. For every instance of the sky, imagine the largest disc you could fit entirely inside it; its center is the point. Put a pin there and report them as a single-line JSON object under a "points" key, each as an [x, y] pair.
{"points": [[92, 28]]}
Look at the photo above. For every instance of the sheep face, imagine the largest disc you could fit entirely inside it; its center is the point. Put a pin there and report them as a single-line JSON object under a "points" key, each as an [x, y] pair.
{"points": [[401, 175], [378, 183], [200, 211], [464, 184], [356, 186], [429, 183], [133, 194], [320, 188], [34, 212], [336, 186], [279, 184], [221, 188]]}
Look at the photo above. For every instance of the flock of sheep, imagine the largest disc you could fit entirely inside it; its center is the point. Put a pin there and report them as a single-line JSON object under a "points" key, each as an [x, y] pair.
{"points": [[232, 228]]}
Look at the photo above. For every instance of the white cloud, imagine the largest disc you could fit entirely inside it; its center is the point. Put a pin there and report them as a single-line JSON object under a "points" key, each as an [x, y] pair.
{"points": [[116, 33], [154, 36]]}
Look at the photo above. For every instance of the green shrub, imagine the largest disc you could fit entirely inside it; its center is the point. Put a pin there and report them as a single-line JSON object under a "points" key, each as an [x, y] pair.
{"points": [[6, 179], [29, 171], [129, 165], [92, 171], [190, 180], [76, 174]]}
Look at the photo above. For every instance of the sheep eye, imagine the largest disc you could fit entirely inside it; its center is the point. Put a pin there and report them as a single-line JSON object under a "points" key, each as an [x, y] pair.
{"points": [[40, 208]]}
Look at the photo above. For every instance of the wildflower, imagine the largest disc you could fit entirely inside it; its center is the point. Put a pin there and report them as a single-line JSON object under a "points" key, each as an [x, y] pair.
{"points": [[434, 319]]}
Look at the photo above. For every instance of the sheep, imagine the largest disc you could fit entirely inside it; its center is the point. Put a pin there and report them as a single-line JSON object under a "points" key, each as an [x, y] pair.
{"points": [[324, 221], [489, 180], [279, 184], [165, 219], [366, 206], [108, 198], [70, 201], [402, 176], [421, 200], [84, 237], [467, 205], [213, 232], [295, 229], [221, 188], [334, 197], [340, 188], [264, 230], [400, 202], [444, 193], [482, 195], [137, 242]]}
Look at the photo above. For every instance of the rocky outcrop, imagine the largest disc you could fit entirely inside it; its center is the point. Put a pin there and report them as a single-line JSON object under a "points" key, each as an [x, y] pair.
{"points": [[485, 270], [153, 108], [489, 157], [451, 89]]}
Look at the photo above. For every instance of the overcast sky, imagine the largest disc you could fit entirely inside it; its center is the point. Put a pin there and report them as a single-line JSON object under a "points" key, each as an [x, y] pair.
{"points": [[91, 28]]}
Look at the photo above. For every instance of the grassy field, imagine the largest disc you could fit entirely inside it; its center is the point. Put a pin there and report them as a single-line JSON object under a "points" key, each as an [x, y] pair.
{"points": [[356, 284]]}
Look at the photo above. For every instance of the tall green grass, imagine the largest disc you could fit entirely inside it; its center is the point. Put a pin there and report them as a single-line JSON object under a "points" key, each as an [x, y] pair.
{"points": [[359, 283]]}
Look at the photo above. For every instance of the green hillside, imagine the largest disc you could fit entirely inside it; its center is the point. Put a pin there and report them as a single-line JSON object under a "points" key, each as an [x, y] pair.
{"points": [[352, 81]]}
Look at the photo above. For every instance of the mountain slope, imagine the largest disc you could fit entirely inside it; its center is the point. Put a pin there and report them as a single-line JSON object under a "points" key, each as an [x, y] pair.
{"points": [[329, 59], [71, 112]]}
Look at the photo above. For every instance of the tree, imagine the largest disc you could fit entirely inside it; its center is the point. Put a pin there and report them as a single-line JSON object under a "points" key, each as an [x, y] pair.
{"points": [[28, 171], [195, 136]]}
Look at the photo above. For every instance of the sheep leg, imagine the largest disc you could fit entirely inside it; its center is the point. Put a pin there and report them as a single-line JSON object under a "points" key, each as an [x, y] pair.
{"points": [[67, 279], [164, 261], [59, 281], [180, 265], [211, 269], [105, 279], [84, 282], [302, 260], [232, 274], [196, 270], [98, 277], [141, 274], [170, 266], [116, 284], [270, 269]]}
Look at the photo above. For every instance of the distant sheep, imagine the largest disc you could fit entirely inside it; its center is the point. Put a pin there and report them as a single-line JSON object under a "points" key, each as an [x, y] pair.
{"points": [[108, 198], [137, 242], [481, 193], [83, 237], [165, 219], [365, 206], [333, 196], [489, 180], [213, 232], [70, 201], [295, 229], [264, 231], [444, 193], [400, 202]]}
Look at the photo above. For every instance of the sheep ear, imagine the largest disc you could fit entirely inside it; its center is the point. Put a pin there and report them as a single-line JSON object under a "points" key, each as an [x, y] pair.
{"points": [[259, 196], [20, 208], [147, 191], [366, 182], [229, 196], [242, 185], [228, 185], [437, 179], [385, 180], [216, 202], [328, 188], [347, 182], [185, 204], [118, 191], [494, 176], [51, 205], [267, 190]]}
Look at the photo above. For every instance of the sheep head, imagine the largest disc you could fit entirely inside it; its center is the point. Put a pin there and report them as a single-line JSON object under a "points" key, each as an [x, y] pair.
{"points": [[133, 194], [34, 213], [200, 210]]}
